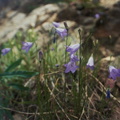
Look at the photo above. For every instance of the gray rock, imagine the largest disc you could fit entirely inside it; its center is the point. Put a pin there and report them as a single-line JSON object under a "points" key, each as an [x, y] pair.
{"points": [[10, 27], [5, 30], [17, 18], [10, 35], [49, 8], [11, 14], [47, 26], [28, 22], [42, 19], [37, 17], [108, 3]]}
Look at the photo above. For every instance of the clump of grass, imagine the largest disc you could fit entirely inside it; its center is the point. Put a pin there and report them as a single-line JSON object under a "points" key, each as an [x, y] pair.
{"points": [[58, 82]]}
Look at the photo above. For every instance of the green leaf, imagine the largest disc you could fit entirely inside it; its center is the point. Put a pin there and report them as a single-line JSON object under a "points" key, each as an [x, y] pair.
{"points": [[24, 74], [18, 86], [14, 65]]}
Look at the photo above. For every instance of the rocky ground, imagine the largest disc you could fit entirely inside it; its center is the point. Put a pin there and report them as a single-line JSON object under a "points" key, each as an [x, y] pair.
{"points": [[41, 18]]}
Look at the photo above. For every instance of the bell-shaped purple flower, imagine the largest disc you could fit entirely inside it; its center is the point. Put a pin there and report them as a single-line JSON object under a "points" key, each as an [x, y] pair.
{"points": [[62, 32], [5, 51], [40, 55], [108, 94], [57, 65], [71, 66], [114, 72], [73, 48], [56, 24], [26, 46], [97, 16], [73, 58], [90, 63]]}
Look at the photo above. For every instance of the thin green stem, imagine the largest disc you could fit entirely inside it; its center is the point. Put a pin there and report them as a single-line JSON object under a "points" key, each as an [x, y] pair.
{"points": [[56, 46], [80, 73], [65, 84]]}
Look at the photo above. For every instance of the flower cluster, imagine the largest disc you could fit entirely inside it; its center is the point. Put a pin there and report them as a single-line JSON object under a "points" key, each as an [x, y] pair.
{"points": [[25, 46], [60, 31], [71, 65]]}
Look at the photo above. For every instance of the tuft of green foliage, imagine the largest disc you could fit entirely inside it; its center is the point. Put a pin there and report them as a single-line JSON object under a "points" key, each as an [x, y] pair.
{"points": [[41, 89]]}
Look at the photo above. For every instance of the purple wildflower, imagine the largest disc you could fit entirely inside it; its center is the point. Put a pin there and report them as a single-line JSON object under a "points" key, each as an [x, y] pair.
{"points": [[90, 63], [56, 24], [56, 65], [73, 58], [71, 66], [73, 48], [52, 49], [26, 46], [97, 16], [40, 55], [108, 94], [114, 72], [62, 32], [5, 51]]}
